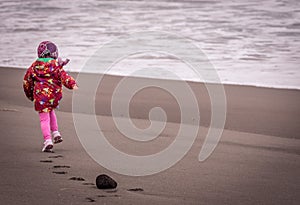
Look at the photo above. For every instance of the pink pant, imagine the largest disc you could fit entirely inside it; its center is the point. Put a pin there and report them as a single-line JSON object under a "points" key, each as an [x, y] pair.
{"points": [[48, 123]]}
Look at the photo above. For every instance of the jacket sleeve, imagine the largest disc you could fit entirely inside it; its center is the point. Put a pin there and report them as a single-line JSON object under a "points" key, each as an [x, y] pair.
{"points": [[28, 84], [67, 80]]}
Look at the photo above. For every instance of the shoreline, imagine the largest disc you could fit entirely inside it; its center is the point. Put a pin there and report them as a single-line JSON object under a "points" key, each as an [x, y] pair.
{"points": [[189, 81]]}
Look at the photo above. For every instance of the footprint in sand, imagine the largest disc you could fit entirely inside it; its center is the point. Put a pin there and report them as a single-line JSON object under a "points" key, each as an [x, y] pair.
{"points": [[88, 183], [49, 151], [111, 191], [89, 199], [46, 161], [60, 172], [8, 110], [77, 179], [114, 195], [56, 156], [61, 166], [135, 189]]}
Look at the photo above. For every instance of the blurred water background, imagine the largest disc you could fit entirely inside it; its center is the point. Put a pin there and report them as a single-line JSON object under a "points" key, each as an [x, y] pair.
{"points": [[249, 42]]}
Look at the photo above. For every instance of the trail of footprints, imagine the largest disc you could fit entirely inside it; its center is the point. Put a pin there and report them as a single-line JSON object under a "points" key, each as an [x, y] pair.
{"points": [[62, 170], [90, 199]]}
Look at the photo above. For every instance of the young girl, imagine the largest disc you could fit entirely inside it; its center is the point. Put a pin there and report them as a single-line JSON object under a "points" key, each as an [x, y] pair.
{"points": [[43, 85]]}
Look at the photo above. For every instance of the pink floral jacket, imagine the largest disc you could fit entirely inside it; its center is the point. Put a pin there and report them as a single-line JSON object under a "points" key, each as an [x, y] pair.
{"points": [[43, 83]]}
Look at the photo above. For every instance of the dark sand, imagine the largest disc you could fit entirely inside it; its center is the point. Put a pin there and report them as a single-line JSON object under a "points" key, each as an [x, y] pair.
{"points": [[256, 162]]}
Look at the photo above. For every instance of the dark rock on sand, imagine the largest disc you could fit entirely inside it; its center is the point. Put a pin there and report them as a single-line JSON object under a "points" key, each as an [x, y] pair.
{"points": [[104, 181]]}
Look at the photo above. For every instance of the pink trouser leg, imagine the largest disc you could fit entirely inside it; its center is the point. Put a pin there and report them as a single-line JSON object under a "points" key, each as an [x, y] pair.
{"points": [[45, 124], [53, 121]]}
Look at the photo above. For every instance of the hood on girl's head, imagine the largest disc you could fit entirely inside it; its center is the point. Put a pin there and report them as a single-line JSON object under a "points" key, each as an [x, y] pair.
{"points": [[47, 49]]}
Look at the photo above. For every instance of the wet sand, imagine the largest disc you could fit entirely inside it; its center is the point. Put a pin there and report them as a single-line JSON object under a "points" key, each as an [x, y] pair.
{"points": [[256, 162]]}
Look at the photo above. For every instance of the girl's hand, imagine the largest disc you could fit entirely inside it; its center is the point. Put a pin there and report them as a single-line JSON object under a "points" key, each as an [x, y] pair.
{"points": [[75, 87], [63, 62]]}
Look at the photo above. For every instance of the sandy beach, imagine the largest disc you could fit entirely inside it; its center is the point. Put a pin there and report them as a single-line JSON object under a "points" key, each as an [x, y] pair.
{"points": [[256, 162]]}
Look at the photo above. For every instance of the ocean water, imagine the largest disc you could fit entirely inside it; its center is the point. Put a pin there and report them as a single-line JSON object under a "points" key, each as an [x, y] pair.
{"points": [[248, 42]]}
